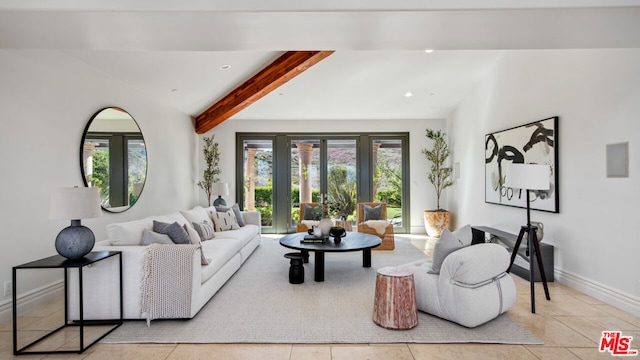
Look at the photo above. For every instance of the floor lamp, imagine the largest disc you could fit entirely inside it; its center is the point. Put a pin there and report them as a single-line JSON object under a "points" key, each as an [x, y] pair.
{"points": [[529, 177]]}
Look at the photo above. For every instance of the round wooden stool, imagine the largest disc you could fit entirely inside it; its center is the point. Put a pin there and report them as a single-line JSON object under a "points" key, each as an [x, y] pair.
{"points": [[394, 305], [296, 270]]}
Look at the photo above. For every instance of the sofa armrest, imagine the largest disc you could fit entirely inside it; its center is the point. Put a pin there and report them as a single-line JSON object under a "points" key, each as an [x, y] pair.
{"points": [[251, 217], [475, 264]]}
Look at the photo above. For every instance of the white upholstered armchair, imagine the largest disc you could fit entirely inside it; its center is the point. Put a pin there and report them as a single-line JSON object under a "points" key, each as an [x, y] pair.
{"points": [[472, 286]]}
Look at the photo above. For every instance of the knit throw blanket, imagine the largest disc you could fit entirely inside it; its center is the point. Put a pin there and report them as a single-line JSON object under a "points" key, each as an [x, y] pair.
{"points": [[167, 281], [380, 226]]}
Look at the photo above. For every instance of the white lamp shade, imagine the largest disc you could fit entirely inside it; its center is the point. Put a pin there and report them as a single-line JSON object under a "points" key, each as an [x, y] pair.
{"points": [[528, 176], [75, 203], [221, 188]]}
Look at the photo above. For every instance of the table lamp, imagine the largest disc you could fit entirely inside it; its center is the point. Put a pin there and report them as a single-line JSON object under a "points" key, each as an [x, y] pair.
{"points": [[75, 203], [529, 177], [220, 189]]}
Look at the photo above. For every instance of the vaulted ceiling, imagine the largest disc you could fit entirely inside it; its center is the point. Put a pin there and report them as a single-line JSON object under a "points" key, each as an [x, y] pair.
{"points": [[190, 54]]}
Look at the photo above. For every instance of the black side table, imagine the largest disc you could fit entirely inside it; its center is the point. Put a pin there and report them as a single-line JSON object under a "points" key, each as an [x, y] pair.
{"points": [[59, 262]]}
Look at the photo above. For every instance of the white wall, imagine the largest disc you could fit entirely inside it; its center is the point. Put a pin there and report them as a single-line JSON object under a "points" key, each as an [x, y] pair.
{"points": [[422, 193], [46, 99], [596, 94]]}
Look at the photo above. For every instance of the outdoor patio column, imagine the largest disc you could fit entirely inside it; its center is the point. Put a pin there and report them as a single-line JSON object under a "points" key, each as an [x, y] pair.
{"points": [[87, 159], [374, 155], [251, 191], [304, 153]]}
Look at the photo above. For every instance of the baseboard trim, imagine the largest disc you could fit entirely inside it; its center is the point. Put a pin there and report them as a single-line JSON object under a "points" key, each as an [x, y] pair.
{"points": [[613, 297], [31, 299]]}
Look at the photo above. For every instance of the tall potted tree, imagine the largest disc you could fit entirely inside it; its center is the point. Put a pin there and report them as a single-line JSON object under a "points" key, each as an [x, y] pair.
{"points": [[211, 172], [435, 221]]}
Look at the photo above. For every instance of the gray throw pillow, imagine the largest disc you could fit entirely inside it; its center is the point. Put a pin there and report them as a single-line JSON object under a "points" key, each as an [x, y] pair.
{"points": [[204, 230], [236, 211], [176, 232], [447, 244], [308, 212], [372, 213], [149, 237]]}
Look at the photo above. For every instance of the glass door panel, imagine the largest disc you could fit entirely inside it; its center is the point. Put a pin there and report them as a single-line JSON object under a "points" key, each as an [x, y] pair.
{"points": [[387, 177], [305, 175], [258, 178], [137, 166], [342, 175]]}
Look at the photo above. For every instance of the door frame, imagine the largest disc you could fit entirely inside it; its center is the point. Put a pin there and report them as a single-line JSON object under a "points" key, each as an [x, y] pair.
{"points": [[282, 165]]}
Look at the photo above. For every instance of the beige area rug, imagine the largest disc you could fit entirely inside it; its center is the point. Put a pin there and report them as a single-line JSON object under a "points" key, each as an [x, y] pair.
{"points": [[258, 305]]}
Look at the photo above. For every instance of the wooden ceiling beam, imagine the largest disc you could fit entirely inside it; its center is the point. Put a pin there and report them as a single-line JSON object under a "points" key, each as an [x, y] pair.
{"points": [[283, 69]]}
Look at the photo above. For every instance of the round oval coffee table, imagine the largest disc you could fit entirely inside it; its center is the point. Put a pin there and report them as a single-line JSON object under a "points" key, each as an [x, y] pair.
{"points": [[353, 241]]}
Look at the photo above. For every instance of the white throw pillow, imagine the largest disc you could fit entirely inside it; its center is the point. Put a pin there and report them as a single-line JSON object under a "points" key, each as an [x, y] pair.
{"points": [[225, 221], [129, 232], [196, 215]]}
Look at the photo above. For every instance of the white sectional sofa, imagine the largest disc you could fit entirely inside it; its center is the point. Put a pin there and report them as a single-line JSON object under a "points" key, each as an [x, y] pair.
{"points": [[225, 253]]}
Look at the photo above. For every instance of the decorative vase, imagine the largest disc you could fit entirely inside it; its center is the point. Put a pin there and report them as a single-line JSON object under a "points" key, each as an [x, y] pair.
{"points": [[539, 231], [435, 222], [337, 232], [325, 225]]}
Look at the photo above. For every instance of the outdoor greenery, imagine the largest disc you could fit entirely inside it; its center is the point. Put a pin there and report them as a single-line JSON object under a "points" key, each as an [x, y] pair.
{"points": [[439, 174], [212, 159], [100, 176], [341, 193], [341, 184]]}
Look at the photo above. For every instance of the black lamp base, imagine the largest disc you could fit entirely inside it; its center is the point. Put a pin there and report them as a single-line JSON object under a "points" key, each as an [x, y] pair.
{"points": [[75, 241], [219, 201]]}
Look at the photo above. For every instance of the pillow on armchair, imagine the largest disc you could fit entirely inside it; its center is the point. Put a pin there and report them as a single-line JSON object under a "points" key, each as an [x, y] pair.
{"points": [[448, 243], [308, 212], [372, 213]]}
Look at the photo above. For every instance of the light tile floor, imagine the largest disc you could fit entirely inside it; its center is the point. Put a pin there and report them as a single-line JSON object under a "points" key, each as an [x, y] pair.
{"points": [[570, 326]]}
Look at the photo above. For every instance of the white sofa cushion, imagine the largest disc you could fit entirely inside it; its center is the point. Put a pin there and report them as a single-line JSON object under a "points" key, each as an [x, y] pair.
{"points": [[244, 234], [218, 252]]}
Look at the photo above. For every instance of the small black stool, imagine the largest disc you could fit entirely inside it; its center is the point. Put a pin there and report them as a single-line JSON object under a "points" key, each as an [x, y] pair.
{"points": [[296, 270]]}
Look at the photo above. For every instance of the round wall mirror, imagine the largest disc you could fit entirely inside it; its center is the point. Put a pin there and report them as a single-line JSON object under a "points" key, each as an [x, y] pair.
{"points": [[113, 157]]}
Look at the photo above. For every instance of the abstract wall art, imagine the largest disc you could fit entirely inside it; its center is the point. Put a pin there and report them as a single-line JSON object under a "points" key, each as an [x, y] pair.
{"points": [[533, 143]]}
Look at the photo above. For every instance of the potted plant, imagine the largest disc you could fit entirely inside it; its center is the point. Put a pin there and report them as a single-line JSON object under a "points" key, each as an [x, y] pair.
{"points": [[435, 221], [212, 159]]}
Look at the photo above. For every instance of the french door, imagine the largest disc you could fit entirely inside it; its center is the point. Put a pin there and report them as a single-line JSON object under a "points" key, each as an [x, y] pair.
{"points": [[278, 172]]}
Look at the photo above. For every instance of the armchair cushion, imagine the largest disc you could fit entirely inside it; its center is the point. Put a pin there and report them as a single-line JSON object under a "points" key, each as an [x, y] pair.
{"points": [[447, 244], [372, 213], [308, 212]]}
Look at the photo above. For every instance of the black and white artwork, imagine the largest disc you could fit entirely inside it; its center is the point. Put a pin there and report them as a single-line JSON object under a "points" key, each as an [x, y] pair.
{"points": [[533, 143]]}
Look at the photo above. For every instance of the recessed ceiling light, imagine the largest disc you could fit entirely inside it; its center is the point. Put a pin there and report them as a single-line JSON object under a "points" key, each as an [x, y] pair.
{"points": [[408, 94], [428, 51], [225, 67]]}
